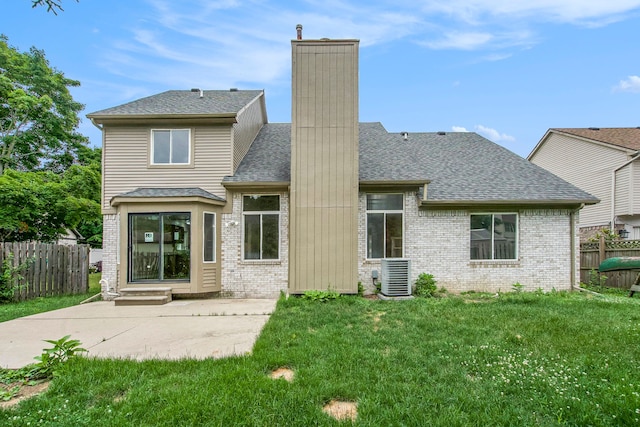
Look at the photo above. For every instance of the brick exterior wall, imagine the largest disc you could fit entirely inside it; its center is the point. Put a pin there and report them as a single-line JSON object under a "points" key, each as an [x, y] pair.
{"points": [[252, 279], [438, 242], [109, 254]]}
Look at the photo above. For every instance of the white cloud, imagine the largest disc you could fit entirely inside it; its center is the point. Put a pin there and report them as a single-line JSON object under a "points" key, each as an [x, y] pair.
{"points": [[493, 134], [630, 84], [460, 40], [459, 129], [589, 12]]}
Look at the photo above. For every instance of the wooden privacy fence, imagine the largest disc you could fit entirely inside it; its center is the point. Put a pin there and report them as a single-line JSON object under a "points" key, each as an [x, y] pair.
{"points": [[52, 269], [593, 253]]}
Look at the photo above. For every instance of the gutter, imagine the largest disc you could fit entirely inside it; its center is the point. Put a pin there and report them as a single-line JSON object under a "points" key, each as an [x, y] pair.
{"points": [[572, 241], [613, 187]]}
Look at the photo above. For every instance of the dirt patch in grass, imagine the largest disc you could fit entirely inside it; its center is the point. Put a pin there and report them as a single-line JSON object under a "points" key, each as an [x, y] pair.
{"points": [[341, 410], [284, 373], [25, 392]]}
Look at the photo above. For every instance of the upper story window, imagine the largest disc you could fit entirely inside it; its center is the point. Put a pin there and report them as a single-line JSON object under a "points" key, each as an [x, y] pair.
{"points": [[261, 227], [170, 146], [494, 236], [384, 225]]}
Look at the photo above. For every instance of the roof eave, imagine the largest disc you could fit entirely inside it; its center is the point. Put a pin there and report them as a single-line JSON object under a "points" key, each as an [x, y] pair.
{"points": [[118, 200], [221, 118], [558, 203], [256, 185]]}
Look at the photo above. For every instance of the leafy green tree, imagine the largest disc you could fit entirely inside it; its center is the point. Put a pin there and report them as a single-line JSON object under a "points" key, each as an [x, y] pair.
{"points": [[40, 205], [52, 5], [38, 116], [32, 206]]}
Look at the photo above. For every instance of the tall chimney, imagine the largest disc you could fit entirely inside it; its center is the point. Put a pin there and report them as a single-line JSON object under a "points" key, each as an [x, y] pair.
{"points": [[323, 251], [299, 31]]}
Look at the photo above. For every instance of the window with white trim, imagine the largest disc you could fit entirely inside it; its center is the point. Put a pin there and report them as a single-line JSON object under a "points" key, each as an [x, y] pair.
{"points": [[209, 237], [261, 227], [384, 225], [170, 146], [494, 236]]}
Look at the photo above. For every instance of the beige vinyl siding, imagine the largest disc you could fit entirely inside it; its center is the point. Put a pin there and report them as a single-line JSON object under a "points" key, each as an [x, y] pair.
{"points": [[126, 165], [250, 121], [635, 187], [623, 191], [324, 167], [587, 166]]}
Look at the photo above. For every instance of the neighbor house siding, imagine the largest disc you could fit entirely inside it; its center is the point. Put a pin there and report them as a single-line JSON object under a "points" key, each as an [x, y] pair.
{"points": [[252, 278], [624, 195], [438, 242], [635, 187], [126, 164], [586, 165], [250, 121]]}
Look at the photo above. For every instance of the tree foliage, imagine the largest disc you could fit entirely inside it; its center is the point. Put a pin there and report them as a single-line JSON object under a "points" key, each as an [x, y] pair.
{"points": [[52, 5], [41, 205], [38, 116]]}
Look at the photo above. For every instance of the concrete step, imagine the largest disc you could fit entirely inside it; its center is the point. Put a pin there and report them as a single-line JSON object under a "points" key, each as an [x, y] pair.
{"points": [[144, 296], [142, 300]]}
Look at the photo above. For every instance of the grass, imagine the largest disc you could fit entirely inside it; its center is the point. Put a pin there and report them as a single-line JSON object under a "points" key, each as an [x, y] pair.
{"points": [[477, 359], [15, 310]]}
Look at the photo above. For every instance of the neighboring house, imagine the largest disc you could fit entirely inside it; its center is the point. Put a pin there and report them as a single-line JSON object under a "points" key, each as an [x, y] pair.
{"points": [[202, 194], [71, 236], [604, 162]]}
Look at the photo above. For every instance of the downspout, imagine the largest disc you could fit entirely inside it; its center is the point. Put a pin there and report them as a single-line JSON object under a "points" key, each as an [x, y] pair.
{"points": [[613, 189]]}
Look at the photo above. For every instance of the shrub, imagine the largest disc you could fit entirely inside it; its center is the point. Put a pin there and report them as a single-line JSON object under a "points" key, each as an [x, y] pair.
{"points": [[10, 277], [51, 359], [425, 286], [320, 296]]}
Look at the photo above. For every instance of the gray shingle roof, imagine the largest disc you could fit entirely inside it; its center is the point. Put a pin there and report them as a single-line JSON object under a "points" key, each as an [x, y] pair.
{"points": [[461, 166], [183, 102], [171, 192]]}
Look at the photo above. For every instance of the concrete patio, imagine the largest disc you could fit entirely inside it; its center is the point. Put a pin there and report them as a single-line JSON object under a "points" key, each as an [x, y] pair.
{"points": [[196, 329]]}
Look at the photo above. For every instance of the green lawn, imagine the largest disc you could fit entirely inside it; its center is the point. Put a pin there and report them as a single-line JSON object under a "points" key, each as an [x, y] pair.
{"points": [[473, 360], [14, 310]]}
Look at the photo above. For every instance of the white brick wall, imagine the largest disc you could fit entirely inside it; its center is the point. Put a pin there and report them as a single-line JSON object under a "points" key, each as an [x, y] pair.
{"points": [[253, 279], [109, 254], [437, 242]]}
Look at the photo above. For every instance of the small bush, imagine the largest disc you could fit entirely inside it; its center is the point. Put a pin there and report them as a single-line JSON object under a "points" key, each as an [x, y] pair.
{"points": [[425, 286], [320, 296], [51, 359], [10, 277]]}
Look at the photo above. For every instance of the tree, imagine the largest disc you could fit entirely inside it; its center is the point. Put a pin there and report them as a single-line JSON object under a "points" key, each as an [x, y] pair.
{"points": [[38, 116], [52, 5], [41, 205]]}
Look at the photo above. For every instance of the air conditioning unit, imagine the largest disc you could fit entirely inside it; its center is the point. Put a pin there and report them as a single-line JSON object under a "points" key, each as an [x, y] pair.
{"points": [[396, 277]]}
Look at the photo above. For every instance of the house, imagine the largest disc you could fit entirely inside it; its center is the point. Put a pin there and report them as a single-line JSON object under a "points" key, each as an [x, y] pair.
{"points": [[202, 194], [605, 162]]}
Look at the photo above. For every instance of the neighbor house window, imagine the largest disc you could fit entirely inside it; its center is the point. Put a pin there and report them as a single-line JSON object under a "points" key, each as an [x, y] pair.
{"points": [[209, 237], [261, 227], [494, 236], [159, 246], [170, 147], [384, 225]]}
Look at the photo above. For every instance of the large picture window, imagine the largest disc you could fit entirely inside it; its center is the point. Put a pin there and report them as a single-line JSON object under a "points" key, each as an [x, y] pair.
{"points": [[261, 227], [384, 225], [494, 236], [170, 147], [159, 246]]}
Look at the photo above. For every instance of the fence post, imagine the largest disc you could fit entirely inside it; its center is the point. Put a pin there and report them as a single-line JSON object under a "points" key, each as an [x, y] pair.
{"points": [[602, 249]]}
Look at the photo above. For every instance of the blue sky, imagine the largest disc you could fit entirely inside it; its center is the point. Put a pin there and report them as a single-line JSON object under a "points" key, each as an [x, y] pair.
{"points": [[507, 69]]}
